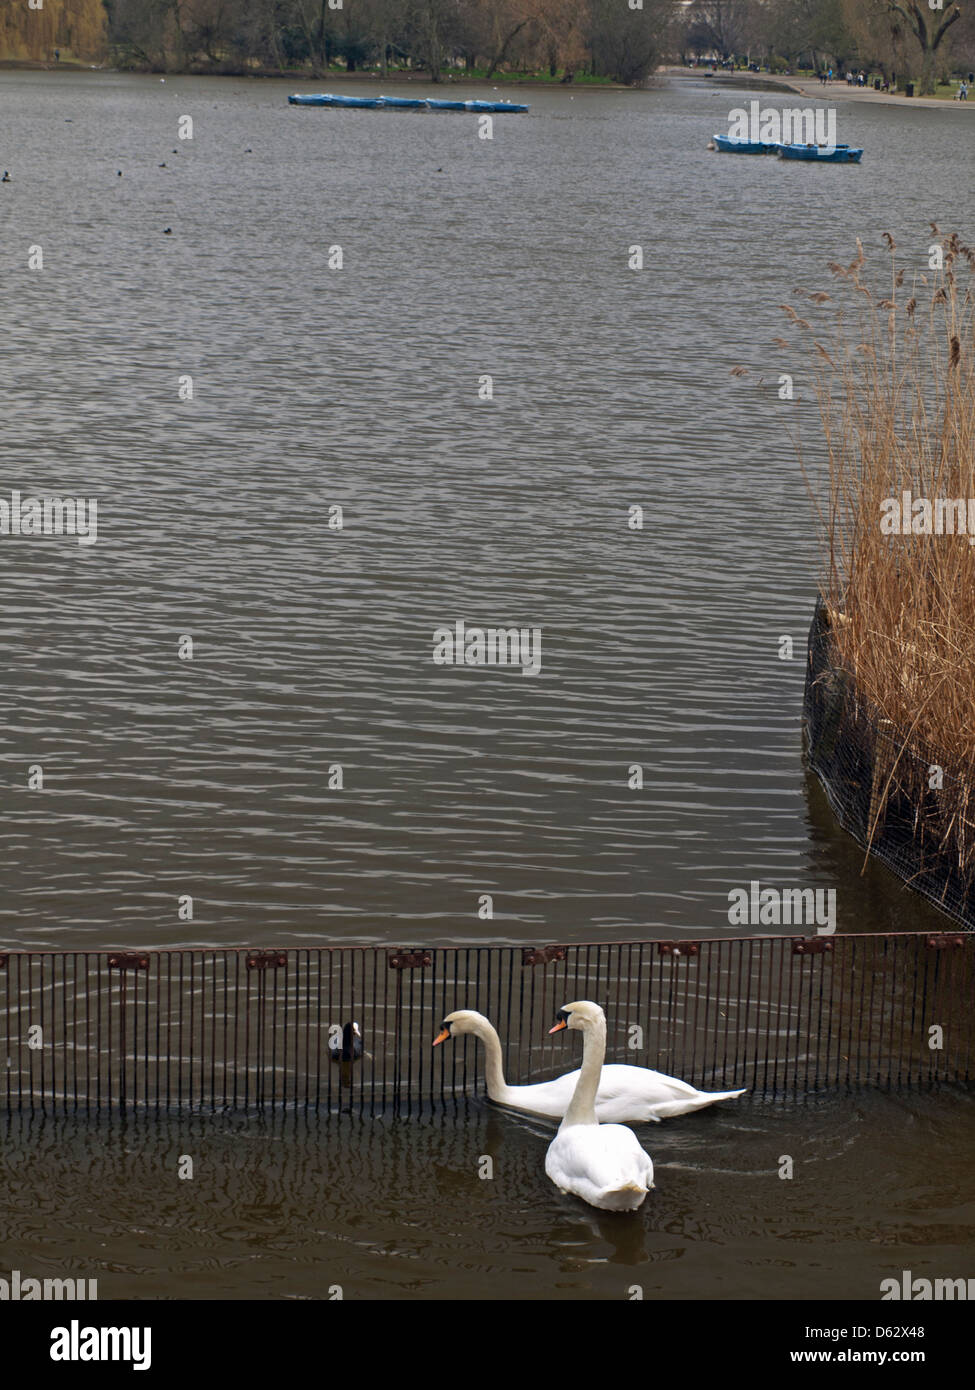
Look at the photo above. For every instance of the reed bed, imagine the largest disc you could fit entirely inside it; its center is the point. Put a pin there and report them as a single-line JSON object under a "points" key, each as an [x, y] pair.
{"points": [[896, 389]]}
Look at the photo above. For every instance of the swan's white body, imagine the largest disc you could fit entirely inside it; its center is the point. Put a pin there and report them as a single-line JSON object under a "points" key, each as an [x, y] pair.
{"points": [[605, 1165], [626, 1095]]}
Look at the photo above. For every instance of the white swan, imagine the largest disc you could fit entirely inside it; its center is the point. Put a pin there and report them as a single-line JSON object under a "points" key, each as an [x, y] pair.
{"points": [[626, 1095], [605, 1165]]}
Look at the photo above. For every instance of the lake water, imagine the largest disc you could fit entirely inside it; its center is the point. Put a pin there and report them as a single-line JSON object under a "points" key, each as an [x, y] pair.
{"points": [[312, 647]]}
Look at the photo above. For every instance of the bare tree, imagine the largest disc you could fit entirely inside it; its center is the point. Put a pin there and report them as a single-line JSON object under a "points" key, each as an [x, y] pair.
{"points": [[508, 19], [144, 32], [725, 22], [626, 44], [430, 27], [316, 22], [923, 23], [561, 26], [622, 40]]}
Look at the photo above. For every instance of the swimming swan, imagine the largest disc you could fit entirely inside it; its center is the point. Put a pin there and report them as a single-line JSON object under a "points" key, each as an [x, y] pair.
{"points": [[626, 1095], [605, 1165]]}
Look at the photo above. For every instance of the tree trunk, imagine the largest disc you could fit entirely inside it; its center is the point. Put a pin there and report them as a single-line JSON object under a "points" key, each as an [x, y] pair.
{"points": [[919, 17], [434, 50], [322, 39], [181, 44], [502, 52], [274, 47]]}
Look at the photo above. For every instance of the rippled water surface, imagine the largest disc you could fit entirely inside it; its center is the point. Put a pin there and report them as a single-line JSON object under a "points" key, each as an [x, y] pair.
{"points": [[358, 388], [316, 388], [398, 1210]]}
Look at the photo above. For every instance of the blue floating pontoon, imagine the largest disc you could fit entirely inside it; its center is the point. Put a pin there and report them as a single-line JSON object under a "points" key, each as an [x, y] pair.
{"points": [[402, 103], [493, 106], [327, 99]]}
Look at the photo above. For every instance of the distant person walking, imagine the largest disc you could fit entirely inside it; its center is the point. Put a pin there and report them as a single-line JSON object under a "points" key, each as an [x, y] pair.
{"points": [[57, 55]]}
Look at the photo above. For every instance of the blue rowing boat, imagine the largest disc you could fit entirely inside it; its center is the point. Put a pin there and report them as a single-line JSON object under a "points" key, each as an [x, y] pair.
{"points": [[734, 144], [823, 154], [405, 103]]}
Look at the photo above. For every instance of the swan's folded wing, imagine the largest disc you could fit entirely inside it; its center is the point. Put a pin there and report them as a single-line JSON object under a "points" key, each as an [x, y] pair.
{"points": [[625, 1155], [620, 1082]]}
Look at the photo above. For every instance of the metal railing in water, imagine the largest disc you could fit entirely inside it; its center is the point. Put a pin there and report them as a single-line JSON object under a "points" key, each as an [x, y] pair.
{"points": [[210, 1029]]}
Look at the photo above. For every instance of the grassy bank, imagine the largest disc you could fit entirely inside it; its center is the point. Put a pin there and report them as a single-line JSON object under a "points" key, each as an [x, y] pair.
{"points": [[35, 65], [335, 72]]}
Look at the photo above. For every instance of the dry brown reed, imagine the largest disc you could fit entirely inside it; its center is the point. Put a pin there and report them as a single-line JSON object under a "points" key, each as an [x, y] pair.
{"points": [[896, 393]]}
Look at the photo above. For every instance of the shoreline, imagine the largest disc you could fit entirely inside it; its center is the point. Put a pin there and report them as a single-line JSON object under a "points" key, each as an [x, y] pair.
{"points": [[38, 65], [812, 87], [808, 87], [761, 80], [452, 79]]}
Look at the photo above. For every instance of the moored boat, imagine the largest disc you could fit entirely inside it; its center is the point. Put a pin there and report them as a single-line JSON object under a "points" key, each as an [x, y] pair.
{"points": [[824, 154], [734, 144]]}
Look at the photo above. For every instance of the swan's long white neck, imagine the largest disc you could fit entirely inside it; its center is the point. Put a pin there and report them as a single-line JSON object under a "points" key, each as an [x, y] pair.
{"points": [[582, 1107], [493, 1070]]}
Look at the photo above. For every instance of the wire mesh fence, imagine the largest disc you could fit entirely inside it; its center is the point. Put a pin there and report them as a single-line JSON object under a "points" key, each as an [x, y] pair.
{"points": [[879, 789], [234, 1028]]}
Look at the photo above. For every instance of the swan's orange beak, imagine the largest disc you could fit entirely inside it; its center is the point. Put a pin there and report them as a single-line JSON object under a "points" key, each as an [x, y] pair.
{"points": [[442, 1036], [558, 1027]]}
